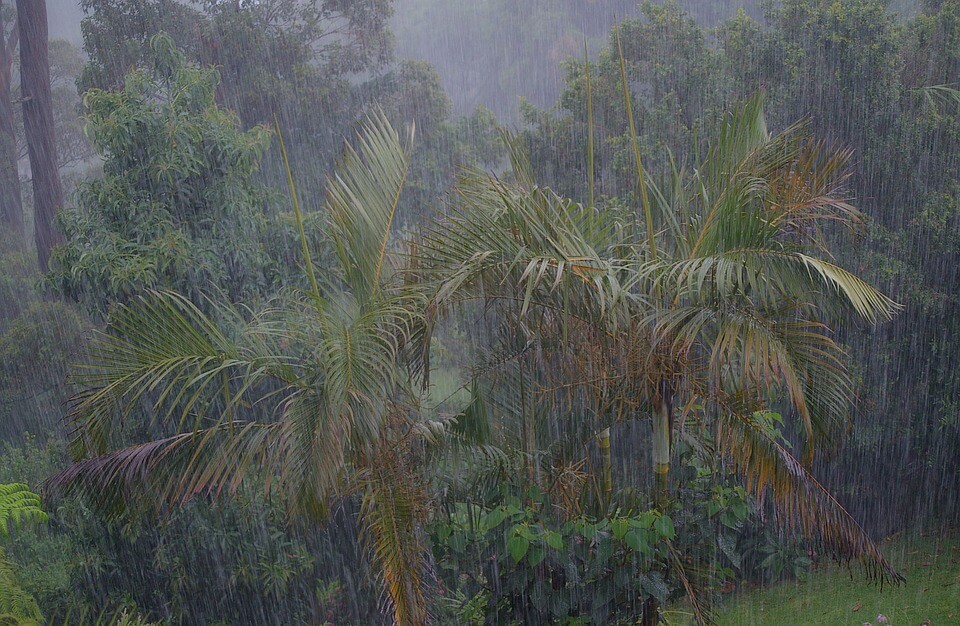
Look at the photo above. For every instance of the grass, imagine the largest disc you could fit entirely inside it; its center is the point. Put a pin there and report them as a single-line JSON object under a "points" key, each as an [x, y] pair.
{"points": [[832, 596], [446, 388]]}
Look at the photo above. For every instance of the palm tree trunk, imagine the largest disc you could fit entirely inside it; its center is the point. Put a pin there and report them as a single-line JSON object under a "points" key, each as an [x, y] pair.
{"points": [[662, 447], [38, 125], [606, 481], [662, 418], [528, 426]]}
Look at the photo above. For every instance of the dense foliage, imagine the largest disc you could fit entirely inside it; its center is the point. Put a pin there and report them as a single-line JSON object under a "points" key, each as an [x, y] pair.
{"points": [[865, 80], [178, 205], [394, 365]]}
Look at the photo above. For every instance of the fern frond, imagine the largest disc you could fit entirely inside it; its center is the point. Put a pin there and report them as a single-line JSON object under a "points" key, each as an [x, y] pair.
{"points": [[17, 606], [18, 505]]}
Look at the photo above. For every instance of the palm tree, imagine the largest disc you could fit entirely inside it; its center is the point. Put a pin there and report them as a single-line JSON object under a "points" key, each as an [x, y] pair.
{"points": [[742, 292], [713, 307], [311, 396]]}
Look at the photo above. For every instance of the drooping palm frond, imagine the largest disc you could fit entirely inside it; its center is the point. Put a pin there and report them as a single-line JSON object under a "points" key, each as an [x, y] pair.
{"points": [[171, 471], [772, 352], [763, 277], [801, 501], [394, 511], [947, 93], [162, 352]]}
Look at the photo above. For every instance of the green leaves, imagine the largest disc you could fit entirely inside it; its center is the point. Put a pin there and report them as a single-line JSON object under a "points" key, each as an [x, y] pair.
{"points": [[636, 541], [178, 206], [518, 546], [362, 199], [299, 396], [18, 505], [581, 566], [494, 518], [553, 539], [642, 532], [619, 527], [664, 527]]}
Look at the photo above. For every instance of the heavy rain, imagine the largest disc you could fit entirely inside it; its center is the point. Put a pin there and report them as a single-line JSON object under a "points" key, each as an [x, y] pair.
{"points": [[480, 312]]}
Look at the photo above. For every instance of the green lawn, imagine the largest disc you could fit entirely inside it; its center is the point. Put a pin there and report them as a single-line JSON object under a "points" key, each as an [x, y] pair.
{"points": [[831, 597]]}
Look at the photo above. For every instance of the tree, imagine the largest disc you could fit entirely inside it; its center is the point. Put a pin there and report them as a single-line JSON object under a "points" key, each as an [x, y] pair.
{"points": [[312, 60], [676, 92], [744, 296], [178, 206], [38, 125], [718, 311], [310, 395], [11, 207]]}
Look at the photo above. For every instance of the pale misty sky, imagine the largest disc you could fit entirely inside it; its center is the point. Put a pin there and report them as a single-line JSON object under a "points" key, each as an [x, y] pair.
{"points": [[64, 17]]}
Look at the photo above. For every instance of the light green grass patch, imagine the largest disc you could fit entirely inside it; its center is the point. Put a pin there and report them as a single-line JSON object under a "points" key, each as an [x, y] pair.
{"points": [[832, 596]]}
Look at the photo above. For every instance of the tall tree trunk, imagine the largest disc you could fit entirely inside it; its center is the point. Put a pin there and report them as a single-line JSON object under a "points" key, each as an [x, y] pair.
{"points": [[662, 448], [38, 125], [606, 459], [662, 440], [11, 206]]}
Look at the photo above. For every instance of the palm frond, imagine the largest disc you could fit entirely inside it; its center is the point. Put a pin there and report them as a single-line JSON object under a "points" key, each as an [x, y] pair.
{"points": [[768, 352], [520, 164], [947, 93], [801, 501], [298, 215], [529, 244], [362, 199], [764, 277], [637, 159], [394, 511], [171, 471], [162, 351], [760, 191]]}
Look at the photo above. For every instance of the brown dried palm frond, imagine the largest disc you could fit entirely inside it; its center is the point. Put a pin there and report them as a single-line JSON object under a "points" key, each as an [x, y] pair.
{"points": [[801, 501]]}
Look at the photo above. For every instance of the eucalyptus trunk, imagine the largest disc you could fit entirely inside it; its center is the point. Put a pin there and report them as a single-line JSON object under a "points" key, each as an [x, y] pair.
{"points": [[11, 205], [38, 125]]}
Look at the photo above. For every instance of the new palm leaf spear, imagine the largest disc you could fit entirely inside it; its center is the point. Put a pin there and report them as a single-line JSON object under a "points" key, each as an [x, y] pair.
{"points": [[700, 312]]}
